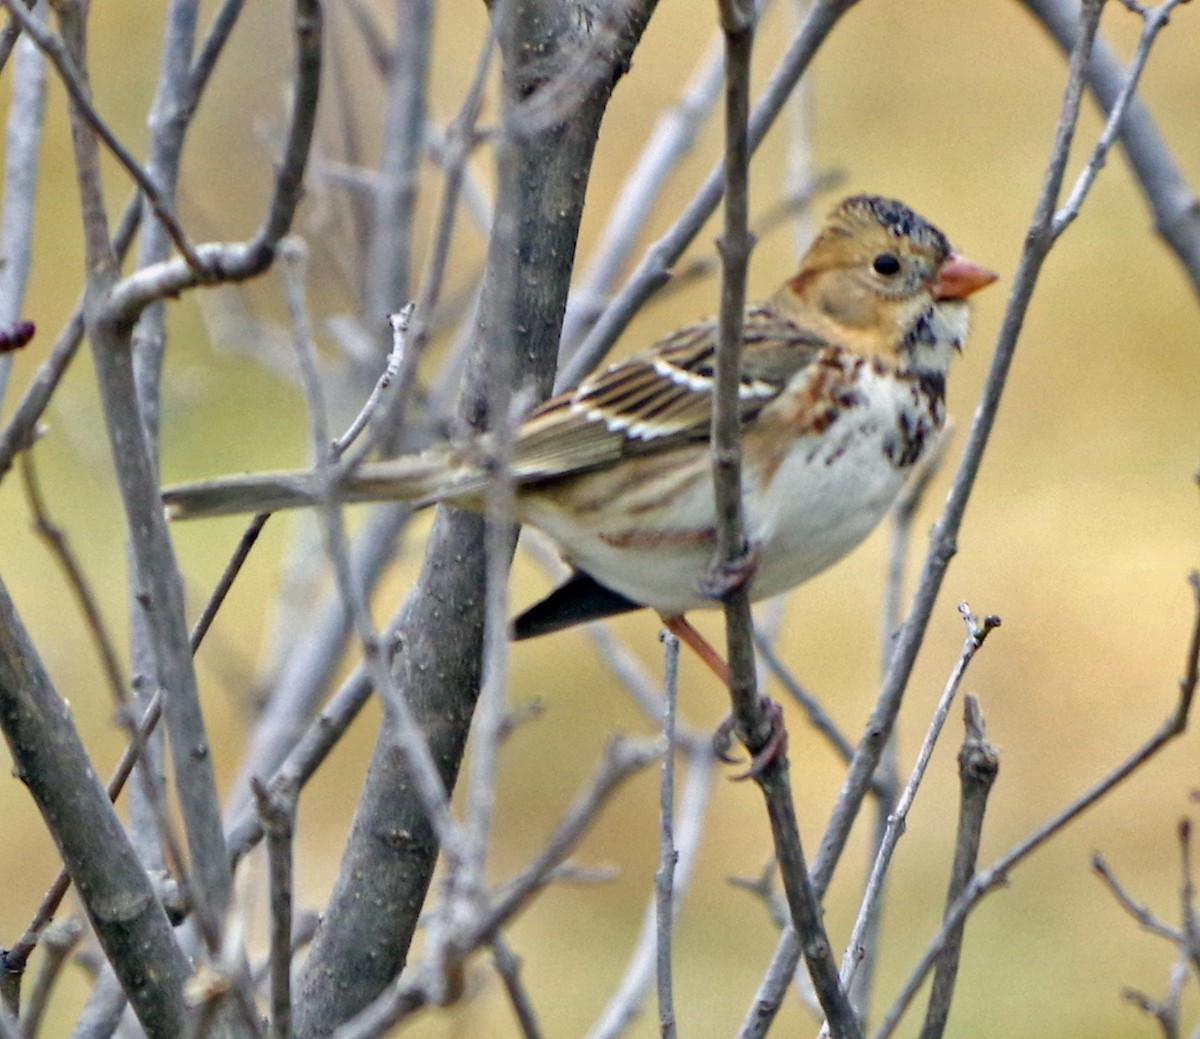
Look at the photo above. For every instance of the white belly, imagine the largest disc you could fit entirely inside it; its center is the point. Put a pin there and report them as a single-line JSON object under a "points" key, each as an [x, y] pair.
{"points": [[655, 544]]}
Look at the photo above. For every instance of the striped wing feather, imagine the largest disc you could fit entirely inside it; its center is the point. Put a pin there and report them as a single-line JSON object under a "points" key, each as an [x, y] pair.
{"points": [[658, 399]]}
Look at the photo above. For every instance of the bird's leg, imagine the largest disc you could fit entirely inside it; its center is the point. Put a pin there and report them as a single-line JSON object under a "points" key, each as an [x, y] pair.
{"points": [[683, 630], [775, 745]]}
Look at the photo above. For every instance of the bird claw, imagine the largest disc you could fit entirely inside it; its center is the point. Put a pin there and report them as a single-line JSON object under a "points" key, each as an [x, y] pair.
{"points": [[722, 741], [730, 575], [773, 750]]}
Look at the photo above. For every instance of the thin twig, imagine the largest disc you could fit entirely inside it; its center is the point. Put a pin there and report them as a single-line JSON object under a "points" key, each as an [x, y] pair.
{"points": [[652, 272], [1190, 947], [22, 147], [399, 325], [943, 540], [73, 79], [58, 942], [997, 874], [976, 633], [757, 723], [508, 966], [427, 781], [372, 35], [60, 548], [228, 262], [419, 985], [749, 713], [885, 783], [214, 44], [1155, 21], [978, 766], [1168, 194], [1142, 914], [696, 790], [668, 856], [277, 814]]}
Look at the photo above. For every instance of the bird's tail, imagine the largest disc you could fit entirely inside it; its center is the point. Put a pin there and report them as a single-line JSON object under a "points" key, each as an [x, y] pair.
{"points": [[433, 476]]}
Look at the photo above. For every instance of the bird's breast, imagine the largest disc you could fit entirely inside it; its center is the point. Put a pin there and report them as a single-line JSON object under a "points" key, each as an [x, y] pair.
{"points": [[830, 463]]}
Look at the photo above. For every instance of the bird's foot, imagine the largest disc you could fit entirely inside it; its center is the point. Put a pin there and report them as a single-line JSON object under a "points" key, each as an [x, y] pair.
{"points": [[772, 751], [729, 576]]}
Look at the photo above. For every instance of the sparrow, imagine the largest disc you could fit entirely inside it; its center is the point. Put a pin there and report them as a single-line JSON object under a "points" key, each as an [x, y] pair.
{"points": [[841, 391]]}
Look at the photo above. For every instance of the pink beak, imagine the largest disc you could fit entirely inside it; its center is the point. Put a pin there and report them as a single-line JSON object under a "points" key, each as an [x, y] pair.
{"points": [[958, 278]]}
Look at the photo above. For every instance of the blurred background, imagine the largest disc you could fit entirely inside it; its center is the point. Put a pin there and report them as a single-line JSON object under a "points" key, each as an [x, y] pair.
{"points": [[1082, 529]]}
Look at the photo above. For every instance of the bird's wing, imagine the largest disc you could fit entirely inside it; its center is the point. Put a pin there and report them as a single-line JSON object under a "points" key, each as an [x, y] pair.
{"points": [[651, 402], [658, 399]]}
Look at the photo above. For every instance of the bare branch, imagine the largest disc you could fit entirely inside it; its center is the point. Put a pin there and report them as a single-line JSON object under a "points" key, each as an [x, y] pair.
{"points": [[58, 942], [668, 855], [22, 145], [49, 757], [626, 1001], [978, 765], [277, 814], [508, 966], [1155, 20], [75, 82], [653, 270], [976, 633], [1172, 200], [421, 984], [237, 262], [418, 758], [997, 874], [1142, 914], [1190, 947], [749, 714], [757, 722], [60, 548], [214, 43], [399, 325]]}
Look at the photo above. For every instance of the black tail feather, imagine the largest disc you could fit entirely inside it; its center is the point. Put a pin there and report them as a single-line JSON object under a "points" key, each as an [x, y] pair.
{"points": [[581, 599]]}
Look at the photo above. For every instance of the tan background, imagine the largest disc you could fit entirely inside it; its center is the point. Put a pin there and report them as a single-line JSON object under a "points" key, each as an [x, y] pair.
{"points": [[1082, 529]]}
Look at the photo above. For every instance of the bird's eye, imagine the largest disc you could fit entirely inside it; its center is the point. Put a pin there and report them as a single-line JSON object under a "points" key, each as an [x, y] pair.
{"points": [[886, 264]]}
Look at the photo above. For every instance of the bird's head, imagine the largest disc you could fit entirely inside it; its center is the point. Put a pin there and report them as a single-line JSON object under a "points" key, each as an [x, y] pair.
{"points": [[885, 281]]}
